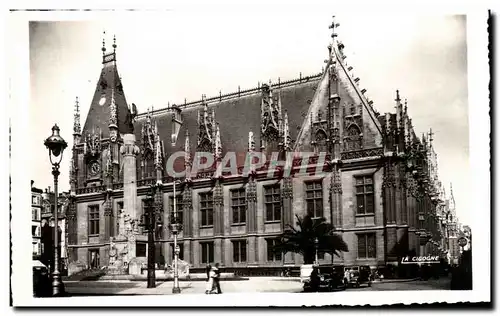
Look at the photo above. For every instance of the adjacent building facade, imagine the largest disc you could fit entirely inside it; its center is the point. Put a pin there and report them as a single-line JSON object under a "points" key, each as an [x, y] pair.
{"points": [[47, 217], [36, 220], [378, 182]]}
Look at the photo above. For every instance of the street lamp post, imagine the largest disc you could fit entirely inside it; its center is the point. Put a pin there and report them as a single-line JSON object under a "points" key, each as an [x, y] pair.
{"points": [[316, 244], [150, 222], [175, 228], [151, 243], [56, 145]]}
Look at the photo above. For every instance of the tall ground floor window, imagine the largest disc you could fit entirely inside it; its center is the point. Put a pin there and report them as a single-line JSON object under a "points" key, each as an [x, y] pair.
{"points": [[367, 246], [271, 254], [94, 258], [239, 250], [207, 252]]}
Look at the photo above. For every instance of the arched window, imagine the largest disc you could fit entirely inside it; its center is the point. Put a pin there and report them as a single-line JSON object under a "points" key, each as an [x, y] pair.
{"points": [[205, 146], [353, 138], [321, 145]]}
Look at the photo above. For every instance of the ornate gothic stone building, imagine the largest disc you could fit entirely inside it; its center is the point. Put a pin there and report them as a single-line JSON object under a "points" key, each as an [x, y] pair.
{"points": [[378, 187]]}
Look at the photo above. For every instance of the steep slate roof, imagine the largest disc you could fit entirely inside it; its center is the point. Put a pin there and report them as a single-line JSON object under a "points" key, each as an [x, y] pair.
{"points": [[236, 115], [98, 115]]}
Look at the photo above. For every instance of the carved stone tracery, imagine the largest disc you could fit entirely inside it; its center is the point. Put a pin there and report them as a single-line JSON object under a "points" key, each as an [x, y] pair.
{"points": [[252, 190], [92, 145], [389, 177], [287, 191], [206, 129]]}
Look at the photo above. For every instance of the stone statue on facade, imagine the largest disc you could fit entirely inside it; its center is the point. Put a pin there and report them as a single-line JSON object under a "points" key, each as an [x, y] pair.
{"points": [[121, 223], [128, 224], [135, 226], [112, 252]]}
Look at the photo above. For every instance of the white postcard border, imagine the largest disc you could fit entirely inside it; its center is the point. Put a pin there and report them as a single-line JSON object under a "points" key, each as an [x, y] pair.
{"points": [[478, 74]]}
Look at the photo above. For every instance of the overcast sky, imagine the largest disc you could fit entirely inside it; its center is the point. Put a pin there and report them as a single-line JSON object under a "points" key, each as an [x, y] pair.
{"points": [[175, 55]]}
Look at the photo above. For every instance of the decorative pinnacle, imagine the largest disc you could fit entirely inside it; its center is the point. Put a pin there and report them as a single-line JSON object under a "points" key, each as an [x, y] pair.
{"points": [[103, 42], [114, 42], [77, 105], [397, 96], [333, 26], [406, 106], [76, 122], [431, 134]]}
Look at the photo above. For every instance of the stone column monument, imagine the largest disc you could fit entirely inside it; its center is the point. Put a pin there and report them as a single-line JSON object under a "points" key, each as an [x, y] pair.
{"points": [[129, 151]]}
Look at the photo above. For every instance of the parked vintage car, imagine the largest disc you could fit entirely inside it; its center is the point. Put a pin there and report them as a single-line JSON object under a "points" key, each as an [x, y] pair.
{"points": [[362, 275], [323, 278]]}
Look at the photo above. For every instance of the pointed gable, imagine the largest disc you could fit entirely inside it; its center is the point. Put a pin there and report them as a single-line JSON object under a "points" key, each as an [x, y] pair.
{"points": [[360, 127], [108, 88]]}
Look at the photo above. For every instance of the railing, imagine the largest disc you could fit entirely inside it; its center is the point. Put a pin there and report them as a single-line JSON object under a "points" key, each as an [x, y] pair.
{"points": [[87, 190], [375, 152], [146, 182], [236, 94]]}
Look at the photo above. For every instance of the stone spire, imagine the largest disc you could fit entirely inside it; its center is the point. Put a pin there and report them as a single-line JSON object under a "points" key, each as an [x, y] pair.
{"points": [[158, 148], [251, 142], [112, 110], [113, 118], [187, 156], [77, 130], [286, 134], [280, 115], [103, 49], [388, 123], [218, 144], [148, 135], [431, 137], [399, 111]]}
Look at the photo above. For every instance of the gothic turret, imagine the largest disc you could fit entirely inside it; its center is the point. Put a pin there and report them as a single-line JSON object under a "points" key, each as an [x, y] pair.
{"points": [[108, 110]]}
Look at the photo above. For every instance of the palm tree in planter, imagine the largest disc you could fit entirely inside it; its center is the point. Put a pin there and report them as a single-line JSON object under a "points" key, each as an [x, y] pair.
{"points": [[311, 234]]}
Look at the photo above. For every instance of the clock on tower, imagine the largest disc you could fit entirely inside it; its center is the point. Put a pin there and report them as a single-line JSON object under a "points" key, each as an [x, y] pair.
{"points": [[95, 168]]}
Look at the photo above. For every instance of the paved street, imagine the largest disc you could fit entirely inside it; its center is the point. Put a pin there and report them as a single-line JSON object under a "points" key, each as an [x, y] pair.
{"points": [[257, 284]]}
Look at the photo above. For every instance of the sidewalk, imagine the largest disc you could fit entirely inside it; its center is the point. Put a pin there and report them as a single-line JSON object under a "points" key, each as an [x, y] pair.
{"points": [[253, 285], [394, 280]]}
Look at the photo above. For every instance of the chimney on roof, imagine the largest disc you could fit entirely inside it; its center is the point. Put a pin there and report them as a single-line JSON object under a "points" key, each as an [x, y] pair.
{"points": [[32, 183]]}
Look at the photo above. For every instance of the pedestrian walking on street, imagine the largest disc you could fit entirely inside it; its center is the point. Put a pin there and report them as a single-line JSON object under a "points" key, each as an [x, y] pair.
{"points": [[347, 277], [210, 279], [217, 278]]}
